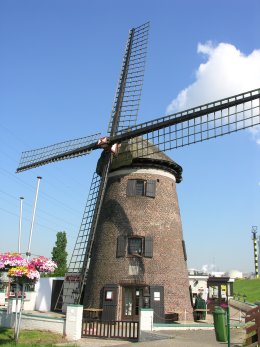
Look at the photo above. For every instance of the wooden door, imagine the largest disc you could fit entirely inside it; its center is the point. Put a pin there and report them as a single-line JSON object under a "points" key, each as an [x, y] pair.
{"points": [[132, 301]]}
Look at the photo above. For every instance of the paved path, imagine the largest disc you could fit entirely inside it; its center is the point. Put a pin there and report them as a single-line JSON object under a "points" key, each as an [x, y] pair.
{"points": [[173, 338], [188, 338], [176, 338]]}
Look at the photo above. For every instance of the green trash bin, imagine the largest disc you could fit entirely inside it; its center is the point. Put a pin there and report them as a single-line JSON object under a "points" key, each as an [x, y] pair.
{"points": [[219, 317]]}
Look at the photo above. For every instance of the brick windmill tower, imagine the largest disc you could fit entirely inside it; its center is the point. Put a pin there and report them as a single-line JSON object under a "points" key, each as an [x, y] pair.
{"points": [[139, 234], [130, 251]]}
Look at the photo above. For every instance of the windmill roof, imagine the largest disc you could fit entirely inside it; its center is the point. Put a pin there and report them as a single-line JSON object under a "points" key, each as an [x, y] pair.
{"points": [[140, 152]]}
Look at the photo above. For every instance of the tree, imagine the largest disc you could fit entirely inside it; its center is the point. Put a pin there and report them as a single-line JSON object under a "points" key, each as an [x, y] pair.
{"points": [[59, 254]]}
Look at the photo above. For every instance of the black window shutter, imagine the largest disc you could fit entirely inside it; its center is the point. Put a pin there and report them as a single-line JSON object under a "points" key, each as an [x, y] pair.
{"points": [[148, 247], [139, 188], [151, 188], [121, 243], [184, 250], [130, 190]]}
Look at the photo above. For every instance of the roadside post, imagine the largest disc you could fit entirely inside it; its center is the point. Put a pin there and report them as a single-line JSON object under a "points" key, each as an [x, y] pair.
{"points": [[228, 325]]}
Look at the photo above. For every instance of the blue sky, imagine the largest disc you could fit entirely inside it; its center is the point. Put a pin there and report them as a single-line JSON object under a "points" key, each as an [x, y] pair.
{"points": [[59, 65]]}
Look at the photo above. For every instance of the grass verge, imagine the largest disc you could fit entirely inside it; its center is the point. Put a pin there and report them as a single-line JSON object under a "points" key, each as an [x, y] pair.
{"points": [[248, 287], [30, 338]]}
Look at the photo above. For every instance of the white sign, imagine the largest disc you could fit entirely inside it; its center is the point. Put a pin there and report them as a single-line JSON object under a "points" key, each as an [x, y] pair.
{"points": [[157, 296]]}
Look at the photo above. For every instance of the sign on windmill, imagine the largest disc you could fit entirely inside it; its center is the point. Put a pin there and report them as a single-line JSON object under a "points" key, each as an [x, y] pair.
{"points": [[130, 251]]}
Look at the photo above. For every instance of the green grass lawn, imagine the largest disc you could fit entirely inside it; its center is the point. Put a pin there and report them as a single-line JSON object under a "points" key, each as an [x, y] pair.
{"points": [[251, 288], [29, 338]]}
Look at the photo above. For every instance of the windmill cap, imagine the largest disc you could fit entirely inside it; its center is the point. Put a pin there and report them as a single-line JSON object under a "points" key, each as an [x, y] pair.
{"points": [[139, 152]]}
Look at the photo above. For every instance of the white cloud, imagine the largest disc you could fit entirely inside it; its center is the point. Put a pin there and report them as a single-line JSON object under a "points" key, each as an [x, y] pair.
{"points": [[226, 72]]}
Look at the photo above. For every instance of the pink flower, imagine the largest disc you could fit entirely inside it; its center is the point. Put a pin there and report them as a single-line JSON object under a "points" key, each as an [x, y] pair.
{"points": [[8, 260], [22, 270], [43, 264]]}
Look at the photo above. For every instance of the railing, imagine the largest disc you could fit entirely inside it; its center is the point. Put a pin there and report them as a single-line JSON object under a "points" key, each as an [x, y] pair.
{"points": [[127, 330], [253, 330], [240, 297]]}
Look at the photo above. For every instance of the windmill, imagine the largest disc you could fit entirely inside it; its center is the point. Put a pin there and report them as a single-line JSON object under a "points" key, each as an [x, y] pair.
{"points": [[130, 251]]}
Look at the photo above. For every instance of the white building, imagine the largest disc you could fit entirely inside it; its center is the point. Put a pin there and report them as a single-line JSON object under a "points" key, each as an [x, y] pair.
{"points": [[198, 284]]}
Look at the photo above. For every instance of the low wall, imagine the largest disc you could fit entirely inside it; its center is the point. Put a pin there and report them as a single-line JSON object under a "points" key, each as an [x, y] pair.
{"points": [[33, 322], [43, 289], [29, 302], [69, 326]]}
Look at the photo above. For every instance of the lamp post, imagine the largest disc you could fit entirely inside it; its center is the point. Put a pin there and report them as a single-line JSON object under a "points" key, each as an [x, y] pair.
{"points": [[28, 253], [20, 224]]}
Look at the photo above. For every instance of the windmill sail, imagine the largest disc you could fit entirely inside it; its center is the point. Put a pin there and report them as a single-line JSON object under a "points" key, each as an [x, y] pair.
{"points": [[59, 151], [71, 289], [162, 134], [124, 110], [123, 115], [197, 124], [194, 125], [128, 92]]}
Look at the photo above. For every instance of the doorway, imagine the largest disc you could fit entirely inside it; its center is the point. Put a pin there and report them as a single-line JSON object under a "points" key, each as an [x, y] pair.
{"points": [[132, 301]]}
